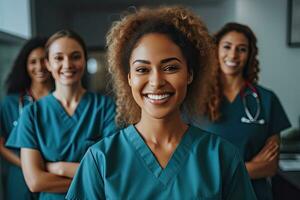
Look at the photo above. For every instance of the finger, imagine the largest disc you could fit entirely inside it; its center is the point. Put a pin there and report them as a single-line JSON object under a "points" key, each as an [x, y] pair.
{"points": [[272, 152]]}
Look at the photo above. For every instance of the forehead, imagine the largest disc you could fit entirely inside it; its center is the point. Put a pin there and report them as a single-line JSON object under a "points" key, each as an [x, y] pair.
{"points": [[234, 38], [65, 45], [37, 52], [155, 46]]}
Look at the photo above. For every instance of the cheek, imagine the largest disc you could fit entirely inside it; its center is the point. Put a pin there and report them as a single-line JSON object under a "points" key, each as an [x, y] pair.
{"points": [[30, 68]]}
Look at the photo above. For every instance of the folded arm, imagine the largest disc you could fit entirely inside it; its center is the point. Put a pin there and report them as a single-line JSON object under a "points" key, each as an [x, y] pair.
{"points": [[37, 178], [9, 155], [65, 169], [265, 163]]}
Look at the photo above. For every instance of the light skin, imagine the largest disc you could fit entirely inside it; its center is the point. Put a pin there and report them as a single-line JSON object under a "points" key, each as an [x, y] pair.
{"points": [[40, 86], [233, 51], [66, 62], [158, 79]]}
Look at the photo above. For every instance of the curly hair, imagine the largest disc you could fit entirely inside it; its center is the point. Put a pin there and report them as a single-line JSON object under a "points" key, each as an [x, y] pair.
{"points": [[18, 80], [251, 69], [188, 32]]}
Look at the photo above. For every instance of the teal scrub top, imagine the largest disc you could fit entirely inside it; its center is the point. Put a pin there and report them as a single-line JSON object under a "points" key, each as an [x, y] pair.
{"points": [[203, 166], [46, 127], [249, 138], [13, 178]]}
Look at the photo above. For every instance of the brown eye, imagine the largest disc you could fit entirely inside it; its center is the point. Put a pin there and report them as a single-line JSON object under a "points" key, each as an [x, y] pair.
{"points": [[171, 68], [33, 61], [142, 70]]}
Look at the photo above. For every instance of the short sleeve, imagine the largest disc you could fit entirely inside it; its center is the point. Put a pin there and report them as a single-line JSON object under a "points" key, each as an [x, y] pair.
{"points": [[237, 185], [278, 118], [108, 123], [88, 182], [24, 135]]}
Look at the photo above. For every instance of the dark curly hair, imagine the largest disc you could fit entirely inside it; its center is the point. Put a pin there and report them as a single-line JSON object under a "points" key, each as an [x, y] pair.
{"points": [[18, 80], [187, 31]]}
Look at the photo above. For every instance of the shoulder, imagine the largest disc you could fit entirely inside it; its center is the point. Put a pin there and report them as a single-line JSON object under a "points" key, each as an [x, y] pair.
{"points": [[265, 92], [109, 142], [10, 99], [212, 144], [100, 99]]}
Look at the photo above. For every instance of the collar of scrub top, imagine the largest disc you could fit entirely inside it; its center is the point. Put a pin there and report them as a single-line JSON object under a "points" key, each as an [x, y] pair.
{"points": [[253, 92]]}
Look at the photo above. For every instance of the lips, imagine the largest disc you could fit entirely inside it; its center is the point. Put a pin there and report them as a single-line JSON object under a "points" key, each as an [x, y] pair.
{"points": [[41, 74], [68, 74], [231, 63], [158, 98]]}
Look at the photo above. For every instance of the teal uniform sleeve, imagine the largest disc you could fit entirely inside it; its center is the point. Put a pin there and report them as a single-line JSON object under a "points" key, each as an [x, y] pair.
{"points": [[237, 184], [88, 182], [24, 135], [278, 118], [109, 126]]}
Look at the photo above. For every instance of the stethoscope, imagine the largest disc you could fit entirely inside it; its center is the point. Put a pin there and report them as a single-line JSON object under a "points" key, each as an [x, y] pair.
{"points": [[26, 96], [249, 117]]}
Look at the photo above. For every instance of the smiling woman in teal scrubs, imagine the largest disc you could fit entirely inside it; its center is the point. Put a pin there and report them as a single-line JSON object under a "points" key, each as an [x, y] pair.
{"points": [[28, 81], [241, 99], [58, 129], [156, 57]]}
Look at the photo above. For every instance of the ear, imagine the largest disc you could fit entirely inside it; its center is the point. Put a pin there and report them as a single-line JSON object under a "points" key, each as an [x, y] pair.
{"points": [[48, 65], [190, 78], [129, 79]]}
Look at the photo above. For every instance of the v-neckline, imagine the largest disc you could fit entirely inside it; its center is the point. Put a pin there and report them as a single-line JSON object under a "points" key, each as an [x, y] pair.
{"points": [[77, 112], [164, 175]]}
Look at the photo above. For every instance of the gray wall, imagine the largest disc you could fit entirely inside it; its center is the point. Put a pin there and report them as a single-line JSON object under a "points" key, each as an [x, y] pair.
{"points": [[280, 64]]}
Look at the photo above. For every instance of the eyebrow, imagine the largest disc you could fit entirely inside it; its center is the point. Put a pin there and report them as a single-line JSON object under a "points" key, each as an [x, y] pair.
{"points": [[162, 61], [239, 44]]}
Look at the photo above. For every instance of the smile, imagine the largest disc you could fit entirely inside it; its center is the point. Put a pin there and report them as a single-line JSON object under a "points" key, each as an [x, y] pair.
{"points": [[68, 73], [158, 98], [231, 63]]}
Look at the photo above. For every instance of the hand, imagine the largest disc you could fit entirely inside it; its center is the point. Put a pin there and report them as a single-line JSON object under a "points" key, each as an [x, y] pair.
{"points": [[54, 168], [2, 143], [268, 153]]}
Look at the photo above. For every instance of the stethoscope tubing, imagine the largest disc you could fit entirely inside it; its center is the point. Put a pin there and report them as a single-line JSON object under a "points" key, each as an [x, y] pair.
{"points": [[249, 117]]}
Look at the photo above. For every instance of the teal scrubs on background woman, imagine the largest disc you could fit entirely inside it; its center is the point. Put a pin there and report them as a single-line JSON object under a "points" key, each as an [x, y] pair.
{"points": [[250, 137], [202, 167], [47, 127], [11, 107]]}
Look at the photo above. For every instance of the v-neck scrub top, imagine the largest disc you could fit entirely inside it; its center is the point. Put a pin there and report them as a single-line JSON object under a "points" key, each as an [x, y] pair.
{"points": [[250, 137], [13, 178], [203, 166], [46, 127]]}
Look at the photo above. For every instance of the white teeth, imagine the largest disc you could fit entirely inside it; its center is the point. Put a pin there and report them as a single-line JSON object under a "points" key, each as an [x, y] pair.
{"points": [[68, 73], [157, 96], [231, 64]]}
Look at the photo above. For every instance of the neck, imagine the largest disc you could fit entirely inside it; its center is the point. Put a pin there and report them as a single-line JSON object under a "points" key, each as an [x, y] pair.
{"points": [[162, 131], [69, 94], [39, 90], [232, 84]]}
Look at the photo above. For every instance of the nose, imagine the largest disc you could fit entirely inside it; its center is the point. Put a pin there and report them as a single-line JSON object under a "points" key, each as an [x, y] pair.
{"points": [[41, 64], [156, 79], [233, 53], [67, 63]]}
